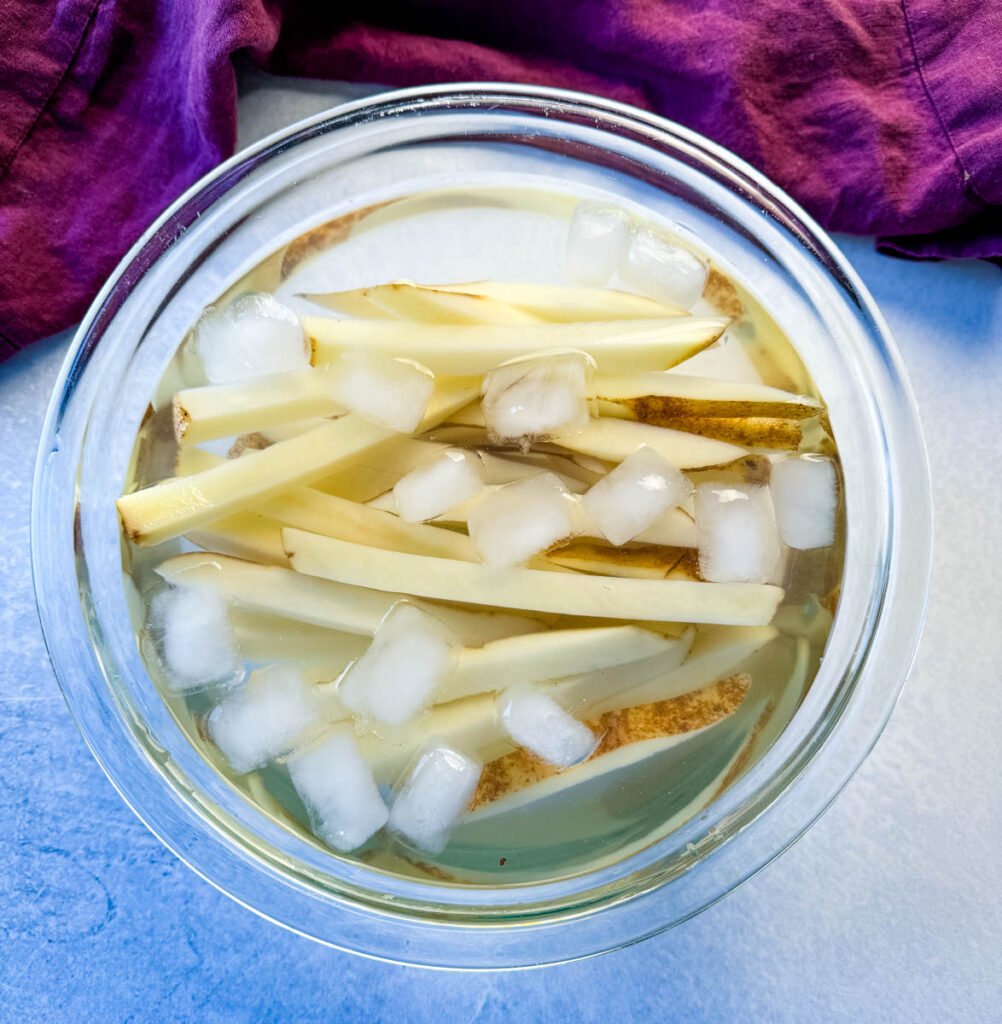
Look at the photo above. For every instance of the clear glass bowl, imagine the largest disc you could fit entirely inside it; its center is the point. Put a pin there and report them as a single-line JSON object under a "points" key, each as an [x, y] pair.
{"points": [[351, 158]]}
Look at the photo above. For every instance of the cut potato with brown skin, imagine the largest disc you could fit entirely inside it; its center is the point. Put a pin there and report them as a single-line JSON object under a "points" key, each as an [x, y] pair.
{"points": [[631, 561], [405, 300], [521, 769], [747, 431], [614, 440], [460, 350], [659, 397]]}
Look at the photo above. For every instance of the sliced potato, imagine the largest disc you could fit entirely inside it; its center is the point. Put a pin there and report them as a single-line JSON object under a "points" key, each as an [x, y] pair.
{"points": [[530, 589], [290, 594], [405, 300], [472, 723], [312, 510], [552, 655], [321, 653], [631, 561], [716, 652], [613, 440], [221, 410], [566, 303], [469, 350], [661, 397], [370, 474], [254, 535], [181, 504], [749, 431], [628, 735], [243, 535]]}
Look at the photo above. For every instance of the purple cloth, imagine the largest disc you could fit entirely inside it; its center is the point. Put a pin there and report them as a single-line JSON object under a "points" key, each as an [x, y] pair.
{"points": [[881, 116]]}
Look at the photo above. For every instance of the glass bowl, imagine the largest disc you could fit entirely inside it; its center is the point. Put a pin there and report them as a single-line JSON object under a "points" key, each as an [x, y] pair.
{"points": [[314, 178]]}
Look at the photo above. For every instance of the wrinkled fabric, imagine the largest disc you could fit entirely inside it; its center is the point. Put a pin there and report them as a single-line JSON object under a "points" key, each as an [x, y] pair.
{"points": [[880, 116]]}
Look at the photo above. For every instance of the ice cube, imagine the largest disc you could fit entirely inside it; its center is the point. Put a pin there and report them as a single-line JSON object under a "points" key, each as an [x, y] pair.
{"points": [[194, 636], [521, 519], [434, 797], [410, 655], [391, 393], [430, 490], [596, 242], [535, 398], [538, 723], [662, 270], [805, 495], [737, 536], [255, 335], [265, 718], [632, 496], [337, 787]]}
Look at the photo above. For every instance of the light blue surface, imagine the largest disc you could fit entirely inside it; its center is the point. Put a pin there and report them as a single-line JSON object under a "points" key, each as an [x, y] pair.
{"points": [[889, 910]]}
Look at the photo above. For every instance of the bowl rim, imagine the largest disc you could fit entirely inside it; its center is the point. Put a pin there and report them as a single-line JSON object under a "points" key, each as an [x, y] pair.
{"points": [[910, 607]]}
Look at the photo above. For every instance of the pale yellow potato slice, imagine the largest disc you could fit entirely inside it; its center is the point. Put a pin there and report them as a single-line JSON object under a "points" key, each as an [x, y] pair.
{"points": [[405, 300], [566, 303], [628, 736], [221, 410], [182, 504], [310, 509], [749, 431], [469, 724], [321, 653], [660, 397], [461, 350], [243, 535], [717, 651], [553, 655], [283, 592], [287, 400], [530, 589], [613, 440], [636, 561], [370, 474]]}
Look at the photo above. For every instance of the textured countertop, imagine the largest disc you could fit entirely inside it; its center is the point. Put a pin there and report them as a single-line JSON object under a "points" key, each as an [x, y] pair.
{"points": [[888, 910]]}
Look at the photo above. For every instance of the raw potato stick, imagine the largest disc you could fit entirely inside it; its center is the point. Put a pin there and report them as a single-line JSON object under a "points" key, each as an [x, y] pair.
{"points": [[551, 655], [660, 397], [613, 440], [222, 410], [567, 303], [404, 300], [466, 350], [530, 589], [181, 504], [279, 591]]}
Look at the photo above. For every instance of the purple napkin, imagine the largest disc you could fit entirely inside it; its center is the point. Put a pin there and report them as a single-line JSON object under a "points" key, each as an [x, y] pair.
{"points": [[880, 116]]}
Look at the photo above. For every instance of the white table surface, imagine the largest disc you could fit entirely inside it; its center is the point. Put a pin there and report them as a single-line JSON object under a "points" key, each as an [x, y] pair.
{"points": [[888, 910]]}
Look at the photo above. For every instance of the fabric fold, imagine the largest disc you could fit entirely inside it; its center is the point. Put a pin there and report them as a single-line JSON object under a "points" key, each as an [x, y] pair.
{"points": [[880, 118]]}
